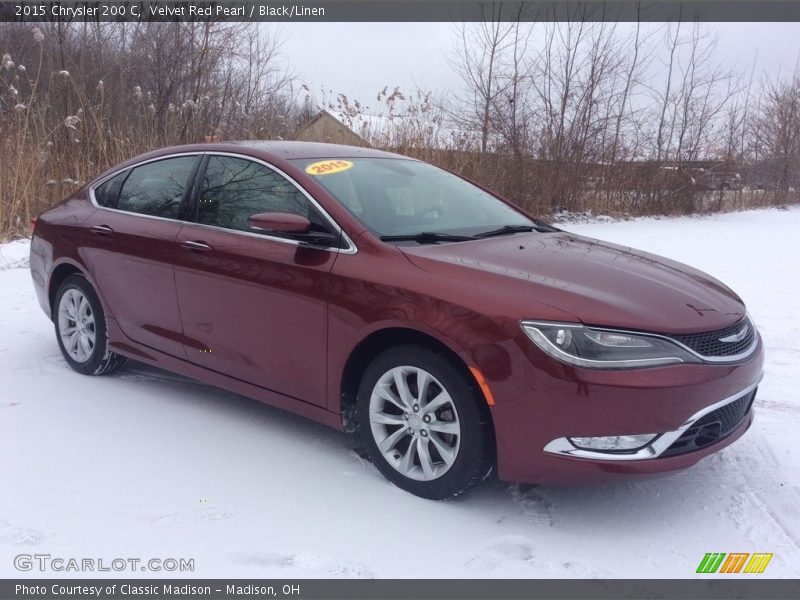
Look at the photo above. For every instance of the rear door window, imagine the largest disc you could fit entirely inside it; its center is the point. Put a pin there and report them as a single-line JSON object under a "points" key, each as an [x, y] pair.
{"points": [[157, 188], [107, 193]]}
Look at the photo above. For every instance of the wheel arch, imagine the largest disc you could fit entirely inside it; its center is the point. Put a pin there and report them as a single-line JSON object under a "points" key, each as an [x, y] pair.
{"points": [[383, 339], [60, 273]]}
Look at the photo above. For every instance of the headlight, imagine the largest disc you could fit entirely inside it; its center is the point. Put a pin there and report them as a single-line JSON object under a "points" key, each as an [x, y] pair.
{"points": [[604, 348]]}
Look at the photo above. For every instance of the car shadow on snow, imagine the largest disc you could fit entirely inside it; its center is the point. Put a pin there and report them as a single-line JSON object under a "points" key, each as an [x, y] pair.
{"points": [[202, 396], [631, 506]]}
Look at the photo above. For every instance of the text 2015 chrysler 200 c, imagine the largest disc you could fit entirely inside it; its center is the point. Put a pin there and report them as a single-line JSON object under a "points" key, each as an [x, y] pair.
{"points": [[379, 294]]}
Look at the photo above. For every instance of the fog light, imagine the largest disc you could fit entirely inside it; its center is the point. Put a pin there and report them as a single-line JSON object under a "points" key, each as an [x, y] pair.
{"points": [[613, 443]]}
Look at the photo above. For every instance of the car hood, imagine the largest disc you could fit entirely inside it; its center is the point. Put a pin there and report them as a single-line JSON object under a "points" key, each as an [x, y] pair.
{"points": [[597, 282]]}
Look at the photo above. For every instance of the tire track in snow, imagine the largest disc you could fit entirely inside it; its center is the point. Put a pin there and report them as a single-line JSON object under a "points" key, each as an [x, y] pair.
{"points": [[212, 513], [19, 536], [751, 485], [309, 561]]}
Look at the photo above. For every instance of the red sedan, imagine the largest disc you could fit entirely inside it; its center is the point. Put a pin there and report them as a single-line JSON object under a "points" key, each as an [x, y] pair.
{"points": [[449, 329]]}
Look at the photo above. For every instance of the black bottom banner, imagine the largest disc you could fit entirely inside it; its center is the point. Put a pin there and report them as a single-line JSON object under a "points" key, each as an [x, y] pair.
{"points": [[397, 589]]}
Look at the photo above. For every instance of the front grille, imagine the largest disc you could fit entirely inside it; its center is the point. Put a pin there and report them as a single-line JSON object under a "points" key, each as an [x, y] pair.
{"points": [[712, 427], [709, 344]]}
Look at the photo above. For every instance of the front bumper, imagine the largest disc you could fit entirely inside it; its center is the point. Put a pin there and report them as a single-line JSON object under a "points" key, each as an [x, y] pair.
{"points": [[673, 443], [541, 402]]}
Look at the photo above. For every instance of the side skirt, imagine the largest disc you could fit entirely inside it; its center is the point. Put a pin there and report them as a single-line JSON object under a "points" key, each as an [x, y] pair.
{"points": [[158, 359]]}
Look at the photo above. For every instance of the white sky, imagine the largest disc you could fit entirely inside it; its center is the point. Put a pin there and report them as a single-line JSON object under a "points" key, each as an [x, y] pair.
{"points": [[359, 59]]}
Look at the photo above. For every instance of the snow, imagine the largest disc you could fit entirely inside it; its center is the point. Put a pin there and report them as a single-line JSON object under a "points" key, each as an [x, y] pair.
{"points": [[14, 255], [143, 463]]}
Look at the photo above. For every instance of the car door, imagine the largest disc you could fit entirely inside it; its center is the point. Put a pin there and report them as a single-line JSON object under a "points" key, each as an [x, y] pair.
{"points": [[254, 306], [130, 244]]}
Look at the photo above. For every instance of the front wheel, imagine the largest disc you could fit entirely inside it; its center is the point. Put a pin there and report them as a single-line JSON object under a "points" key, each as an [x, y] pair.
{"points": [[422, 423], [81, 328]]}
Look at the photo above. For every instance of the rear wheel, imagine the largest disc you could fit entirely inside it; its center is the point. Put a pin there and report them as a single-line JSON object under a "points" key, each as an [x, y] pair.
{"points": [[422, 424], [81, 328]]}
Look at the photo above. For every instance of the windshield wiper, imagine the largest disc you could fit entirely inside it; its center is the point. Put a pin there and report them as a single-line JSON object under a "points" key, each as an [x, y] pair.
{"points": [[427, 237], [543, 227], [507, 230]]}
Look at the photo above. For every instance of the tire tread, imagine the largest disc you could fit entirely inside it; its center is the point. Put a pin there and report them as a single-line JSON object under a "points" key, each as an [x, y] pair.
{"points": [[480, 463], [110, 361]]}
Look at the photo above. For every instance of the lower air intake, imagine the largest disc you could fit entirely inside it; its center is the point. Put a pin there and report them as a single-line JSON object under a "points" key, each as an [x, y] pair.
{"points": [[712, 427]]}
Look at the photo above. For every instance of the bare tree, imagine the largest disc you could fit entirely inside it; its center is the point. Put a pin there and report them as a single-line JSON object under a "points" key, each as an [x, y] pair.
{"points": [[778, 132], [79, 97], [481, 47]]}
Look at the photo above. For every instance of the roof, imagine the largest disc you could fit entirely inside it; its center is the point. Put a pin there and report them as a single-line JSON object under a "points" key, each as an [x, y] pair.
{"points": [[284, 150], [289, 150], [266, 150]]}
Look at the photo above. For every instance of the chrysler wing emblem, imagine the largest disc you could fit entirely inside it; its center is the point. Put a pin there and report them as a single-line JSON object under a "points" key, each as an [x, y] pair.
{"points": [[736, 337]]}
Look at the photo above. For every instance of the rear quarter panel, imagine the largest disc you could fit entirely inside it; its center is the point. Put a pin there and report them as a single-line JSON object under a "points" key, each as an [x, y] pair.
{"points": [[56, 240]]}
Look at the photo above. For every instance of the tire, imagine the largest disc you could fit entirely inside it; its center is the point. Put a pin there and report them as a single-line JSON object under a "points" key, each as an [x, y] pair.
{"points": [[435, 445], [78, 308]]}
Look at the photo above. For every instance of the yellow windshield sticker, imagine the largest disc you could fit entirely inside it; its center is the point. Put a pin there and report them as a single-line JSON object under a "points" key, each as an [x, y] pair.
{"points": [[328, 167]]}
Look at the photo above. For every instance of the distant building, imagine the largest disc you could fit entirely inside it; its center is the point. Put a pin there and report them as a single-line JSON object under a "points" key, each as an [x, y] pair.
{"points": [[393, 131], [324, 127]]}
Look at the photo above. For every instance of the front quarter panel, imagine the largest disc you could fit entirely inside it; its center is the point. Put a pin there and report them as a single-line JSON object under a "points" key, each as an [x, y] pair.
{"points": [[378, 288]]}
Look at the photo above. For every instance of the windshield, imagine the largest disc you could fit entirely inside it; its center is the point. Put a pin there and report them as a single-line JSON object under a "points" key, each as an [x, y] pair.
{"points": [[399, 197]]}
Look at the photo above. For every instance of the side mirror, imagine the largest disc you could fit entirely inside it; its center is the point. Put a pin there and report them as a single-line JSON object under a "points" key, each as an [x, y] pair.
{"points": [[280, 223], [293, 227]]}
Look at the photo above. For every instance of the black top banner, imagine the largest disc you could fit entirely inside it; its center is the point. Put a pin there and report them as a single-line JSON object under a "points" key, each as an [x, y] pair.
{"points": [[404, 11]]}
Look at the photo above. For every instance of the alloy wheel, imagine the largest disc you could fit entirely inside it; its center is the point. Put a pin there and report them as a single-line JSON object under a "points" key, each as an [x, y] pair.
{"points": [[76, 325], [414, 423]]}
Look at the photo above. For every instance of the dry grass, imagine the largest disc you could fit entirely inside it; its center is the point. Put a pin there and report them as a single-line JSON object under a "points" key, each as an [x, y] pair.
{"points": [[61, 124], [76, 102]]}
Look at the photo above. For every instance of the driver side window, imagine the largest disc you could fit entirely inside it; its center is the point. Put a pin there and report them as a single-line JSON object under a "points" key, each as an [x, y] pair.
{"points": [[234, 189]]}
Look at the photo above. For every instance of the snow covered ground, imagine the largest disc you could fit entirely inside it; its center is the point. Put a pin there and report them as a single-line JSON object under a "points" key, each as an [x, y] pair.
{"points": [[146, 464]]}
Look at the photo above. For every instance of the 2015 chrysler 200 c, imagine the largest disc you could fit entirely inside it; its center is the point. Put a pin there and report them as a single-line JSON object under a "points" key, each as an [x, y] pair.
{"points": [[379, 294]]}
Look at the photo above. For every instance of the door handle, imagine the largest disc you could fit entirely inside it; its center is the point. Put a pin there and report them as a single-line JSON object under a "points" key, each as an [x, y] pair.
{"points": [[196, 246], [101, 229]]}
